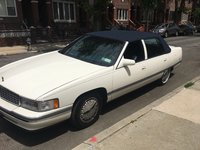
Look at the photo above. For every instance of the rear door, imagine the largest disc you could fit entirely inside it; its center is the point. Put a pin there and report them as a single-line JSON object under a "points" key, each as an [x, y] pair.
{"points": [[157, 59]]}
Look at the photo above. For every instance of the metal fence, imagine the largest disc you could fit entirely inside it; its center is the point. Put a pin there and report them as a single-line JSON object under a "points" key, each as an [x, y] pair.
{"points": [[13, 37]]}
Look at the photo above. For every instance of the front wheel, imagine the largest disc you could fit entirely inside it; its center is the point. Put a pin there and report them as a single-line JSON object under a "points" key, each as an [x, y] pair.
{"points": [[86, 110], [165, 77]]}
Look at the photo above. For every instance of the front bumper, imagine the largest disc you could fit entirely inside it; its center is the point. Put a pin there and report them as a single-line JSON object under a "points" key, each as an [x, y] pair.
{"points": [[30, 120]]}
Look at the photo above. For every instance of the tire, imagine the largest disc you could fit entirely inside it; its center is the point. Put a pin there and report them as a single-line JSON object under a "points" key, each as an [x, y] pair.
{"points": [[86, 110], [166, 35], [165, 77]]}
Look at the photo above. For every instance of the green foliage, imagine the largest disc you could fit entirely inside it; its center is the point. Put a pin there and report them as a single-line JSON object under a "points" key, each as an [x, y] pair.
{"points": [[196, 13], [149, 4], [188, 84], [95, 10], [84, 4]]}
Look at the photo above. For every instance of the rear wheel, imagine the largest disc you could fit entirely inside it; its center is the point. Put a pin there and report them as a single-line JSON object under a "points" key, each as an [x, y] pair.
{"points": [[86, 110], [166, 34], [165, 77]]}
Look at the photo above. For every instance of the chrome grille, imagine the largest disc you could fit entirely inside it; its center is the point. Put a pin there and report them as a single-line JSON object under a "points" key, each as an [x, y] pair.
{"points": [[9, 96]]}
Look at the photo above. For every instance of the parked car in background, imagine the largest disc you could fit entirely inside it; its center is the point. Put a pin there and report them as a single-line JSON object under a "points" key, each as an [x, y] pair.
{"points": [[186, 30], [198, 28], [167, 29], [76, 81], [191, 25]]}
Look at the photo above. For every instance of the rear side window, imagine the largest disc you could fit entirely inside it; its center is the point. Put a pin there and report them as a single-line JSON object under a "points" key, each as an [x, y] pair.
{"points": [[135, 51], [154, 47]]}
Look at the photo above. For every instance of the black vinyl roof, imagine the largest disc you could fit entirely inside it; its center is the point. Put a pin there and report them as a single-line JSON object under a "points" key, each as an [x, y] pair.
{"points": [[123, 35], [129, 36]]}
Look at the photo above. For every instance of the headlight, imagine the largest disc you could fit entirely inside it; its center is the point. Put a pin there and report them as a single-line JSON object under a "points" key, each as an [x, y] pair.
{"points": [[40, 106], [162, 30]]}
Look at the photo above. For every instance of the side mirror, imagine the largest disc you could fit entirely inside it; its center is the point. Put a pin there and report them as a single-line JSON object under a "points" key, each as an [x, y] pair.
{"points": [[126, 62]]}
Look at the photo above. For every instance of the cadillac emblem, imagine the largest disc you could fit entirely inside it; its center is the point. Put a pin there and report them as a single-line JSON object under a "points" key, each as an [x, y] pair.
{"points": [[2, 79]]}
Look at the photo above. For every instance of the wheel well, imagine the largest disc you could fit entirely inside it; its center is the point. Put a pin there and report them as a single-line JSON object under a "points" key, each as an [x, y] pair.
{"points": [[101, 91], [172, 68]]}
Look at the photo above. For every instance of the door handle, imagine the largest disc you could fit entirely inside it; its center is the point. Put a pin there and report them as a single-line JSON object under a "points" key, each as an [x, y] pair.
{"points": [[165, 59], [143, 68]]}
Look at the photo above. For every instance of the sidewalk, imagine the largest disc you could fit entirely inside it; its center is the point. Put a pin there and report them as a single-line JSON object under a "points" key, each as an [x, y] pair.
{"points": [[33, 48], [172, 122]]}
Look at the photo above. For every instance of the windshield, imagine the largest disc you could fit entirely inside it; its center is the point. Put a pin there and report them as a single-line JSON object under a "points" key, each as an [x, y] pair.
{"points": [[96, 50]]}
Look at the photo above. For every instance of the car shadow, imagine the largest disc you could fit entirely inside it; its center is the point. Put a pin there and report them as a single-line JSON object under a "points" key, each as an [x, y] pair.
{"points": [[32, 138]]}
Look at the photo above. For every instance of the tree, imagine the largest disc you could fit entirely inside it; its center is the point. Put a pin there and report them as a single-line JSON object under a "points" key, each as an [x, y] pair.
{"points": [[176, 12], [148, 6], [179, 9], [196, 15], [196, 11], [95, 12], [182, 10]]}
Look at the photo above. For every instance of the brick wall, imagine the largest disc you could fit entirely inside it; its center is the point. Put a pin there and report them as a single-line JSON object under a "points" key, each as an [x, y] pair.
{"points": [[122, 4], [12, 22]]}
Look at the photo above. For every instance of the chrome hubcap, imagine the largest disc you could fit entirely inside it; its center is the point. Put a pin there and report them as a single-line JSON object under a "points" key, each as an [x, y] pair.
{"points": [[89, 110], [166, 75]]}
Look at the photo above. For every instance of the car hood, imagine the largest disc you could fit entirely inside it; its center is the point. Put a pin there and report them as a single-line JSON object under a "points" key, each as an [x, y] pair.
{"points": [[35, 76], [159, 28]]}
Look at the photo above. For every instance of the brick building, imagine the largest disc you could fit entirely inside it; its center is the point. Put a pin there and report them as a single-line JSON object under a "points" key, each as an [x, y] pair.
{"points": [[37, 19], [49, 20], [163, 13], [170, 10], [132, 14], [119, 12], [10, 23]]}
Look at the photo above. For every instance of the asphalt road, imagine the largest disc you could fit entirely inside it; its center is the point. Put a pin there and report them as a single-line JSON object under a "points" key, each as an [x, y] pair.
{"points": [[64, 136]]}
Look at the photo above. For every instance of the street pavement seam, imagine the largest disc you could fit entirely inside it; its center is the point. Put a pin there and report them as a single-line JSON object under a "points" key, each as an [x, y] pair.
{"points": [[175, 116], [131, 122]]}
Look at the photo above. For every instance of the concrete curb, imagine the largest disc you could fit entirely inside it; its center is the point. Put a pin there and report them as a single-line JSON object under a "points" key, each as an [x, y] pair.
{"points": [[100, 137]]}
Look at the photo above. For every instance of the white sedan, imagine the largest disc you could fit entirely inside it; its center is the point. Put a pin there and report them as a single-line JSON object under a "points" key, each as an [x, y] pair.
{"points": [[75, 82]]}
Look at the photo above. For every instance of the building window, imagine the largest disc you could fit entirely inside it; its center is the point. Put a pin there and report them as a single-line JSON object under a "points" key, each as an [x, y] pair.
{"points": [[64, 11], [122, 14], [8, 8]]}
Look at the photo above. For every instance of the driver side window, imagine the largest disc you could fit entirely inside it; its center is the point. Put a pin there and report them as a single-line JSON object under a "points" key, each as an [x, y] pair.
{"points": [[135, 51]]}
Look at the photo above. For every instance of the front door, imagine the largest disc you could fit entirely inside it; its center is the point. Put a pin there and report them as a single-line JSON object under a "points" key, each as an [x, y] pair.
{"points": [[128, 78]]}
